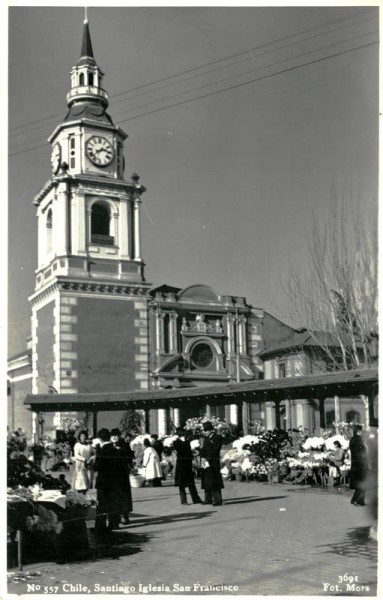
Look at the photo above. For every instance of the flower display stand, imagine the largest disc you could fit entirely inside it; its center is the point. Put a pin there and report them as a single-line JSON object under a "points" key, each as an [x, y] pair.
{"points": [[73, 540], [137, 481]]}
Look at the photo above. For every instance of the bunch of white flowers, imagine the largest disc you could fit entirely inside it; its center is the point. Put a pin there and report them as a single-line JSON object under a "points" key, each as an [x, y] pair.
{"points": [[139, 440], [169, 440], [313, 443], [247, 465], [194, 444], [247, 439], [235, 454]]}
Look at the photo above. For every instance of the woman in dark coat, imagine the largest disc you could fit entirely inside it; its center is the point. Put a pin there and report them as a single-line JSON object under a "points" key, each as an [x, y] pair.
{"points": [[211, 478], [359, 466], [184, 476]]}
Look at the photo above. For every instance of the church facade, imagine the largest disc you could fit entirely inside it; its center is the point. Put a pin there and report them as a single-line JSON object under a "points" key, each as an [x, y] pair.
{"points": [[97, 325]]}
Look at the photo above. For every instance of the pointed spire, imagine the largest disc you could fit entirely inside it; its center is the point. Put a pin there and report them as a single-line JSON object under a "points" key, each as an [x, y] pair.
{"points": [[86, 48]]}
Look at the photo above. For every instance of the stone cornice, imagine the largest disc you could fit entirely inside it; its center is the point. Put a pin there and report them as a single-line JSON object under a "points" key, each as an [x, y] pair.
{"points": [[90, 184], [110, 186], [47, 187], [90, 287]]}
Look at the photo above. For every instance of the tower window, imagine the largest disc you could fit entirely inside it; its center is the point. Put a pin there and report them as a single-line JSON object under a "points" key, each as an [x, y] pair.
{"points": [[81, 79], [100, 225], [49, 230], [72, 152], [90, 79], [120, 159]]}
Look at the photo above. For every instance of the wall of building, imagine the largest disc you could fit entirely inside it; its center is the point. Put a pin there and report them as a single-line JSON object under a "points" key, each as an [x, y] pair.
{"points": [[18, 414], [112, 345], [45, 348]]}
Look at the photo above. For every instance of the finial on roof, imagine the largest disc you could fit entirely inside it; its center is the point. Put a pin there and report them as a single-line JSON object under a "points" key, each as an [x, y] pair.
{"points": [[86, 15], [86, 47]]}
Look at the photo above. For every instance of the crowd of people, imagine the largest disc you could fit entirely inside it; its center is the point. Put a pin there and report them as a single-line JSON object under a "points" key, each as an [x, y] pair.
{"points": [[107, 461]]}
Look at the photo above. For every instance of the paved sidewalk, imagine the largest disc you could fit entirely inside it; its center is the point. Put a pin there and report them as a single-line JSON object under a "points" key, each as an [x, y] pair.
{"points": [[266, 539]]}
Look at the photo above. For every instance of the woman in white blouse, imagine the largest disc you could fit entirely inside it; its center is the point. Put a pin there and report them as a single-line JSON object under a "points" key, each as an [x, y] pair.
{"points": [[82, 463]]}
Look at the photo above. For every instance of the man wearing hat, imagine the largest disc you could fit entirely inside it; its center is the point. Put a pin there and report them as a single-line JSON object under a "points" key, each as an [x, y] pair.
{"points": [[184, 476], [107, 516], [122, 472], [212, 482]]}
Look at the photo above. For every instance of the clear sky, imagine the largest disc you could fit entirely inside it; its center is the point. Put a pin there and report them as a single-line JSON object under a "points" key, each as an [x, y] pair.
{"points": [[236, 142]]}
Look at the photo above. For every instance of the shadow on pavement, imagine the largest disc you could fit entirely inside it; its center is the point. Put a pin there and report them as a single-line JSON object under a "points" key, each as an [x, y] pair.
{"points": [[251, 499], [160, 520], [114, 545], [356, 543], [154, 499], [336, 489]]}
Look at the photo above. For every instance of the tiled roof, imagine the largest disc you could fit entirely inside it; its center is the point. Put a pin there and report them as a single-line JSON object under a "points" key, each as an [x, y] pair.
{"points": [[302, 339]]}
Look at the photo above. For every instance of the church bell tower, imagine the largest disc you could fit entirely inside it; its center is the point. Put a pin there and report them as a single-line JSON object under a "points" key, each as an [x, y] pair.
{"points": [[89, 308]]}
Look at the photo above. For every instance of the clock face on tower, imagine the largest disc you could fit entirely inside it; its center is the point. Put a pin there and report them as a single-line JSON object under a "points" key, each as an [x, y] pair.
{"points": [[56, 157], [99, 150]]}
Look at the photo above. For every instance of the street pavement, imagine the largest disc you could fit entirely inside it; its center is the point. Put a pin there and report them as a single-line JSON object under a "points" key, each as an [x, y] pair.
{"points": [[266, 539]]}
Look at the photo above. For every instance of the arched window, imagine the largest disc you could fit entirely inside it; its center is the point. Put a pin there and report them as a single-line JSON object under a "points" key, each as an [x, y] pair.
{"points": [[81, 79], [49, 230], [100, 225], [90, 79]]}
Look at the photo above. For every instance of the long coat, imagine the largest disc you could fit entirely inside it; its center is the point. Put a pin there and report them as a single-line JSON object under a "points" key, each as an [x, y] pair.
{"points": [[123, 489], [211, 478], [152, 465], [110, 472], [184, 475], [359, 463]]}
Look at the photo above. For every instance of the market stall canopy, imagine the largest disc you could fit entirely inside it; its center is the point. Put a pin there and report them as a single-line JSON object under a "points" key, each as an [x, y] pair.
{"points": [[324, 385]]}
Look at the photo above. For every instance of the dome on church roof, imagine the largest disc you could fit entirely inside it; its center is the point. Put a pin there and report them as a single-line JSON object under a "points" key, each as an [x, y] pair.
{"points": [[200, 292]]}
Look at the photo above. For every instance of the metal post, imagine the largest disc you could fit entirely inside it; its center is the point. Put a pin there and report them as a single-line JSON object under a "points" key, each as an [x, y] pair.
{"points": [[277, 415], [19, 550], [146, 427], [337, 412], [366, 411], [238, 357], [322, 414], [245, 418], [94, 425]]}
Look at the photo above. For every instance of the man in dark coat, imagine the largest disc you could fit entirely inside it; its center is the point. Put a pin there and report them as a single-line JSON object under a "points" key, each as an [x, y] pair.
{"points": [[106, 466], [359, 466], [125, 463], [212, 482], [184, 476]]}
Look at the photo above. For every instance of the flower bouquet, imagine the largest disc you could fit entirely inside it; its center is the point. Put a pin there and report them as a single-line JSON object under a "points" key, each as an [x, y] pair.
{"points": [[79, 503]]}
